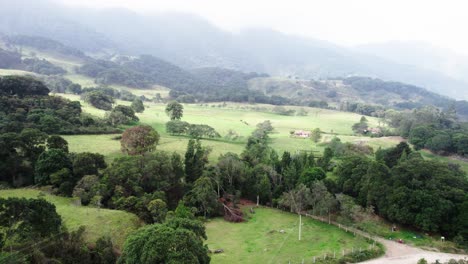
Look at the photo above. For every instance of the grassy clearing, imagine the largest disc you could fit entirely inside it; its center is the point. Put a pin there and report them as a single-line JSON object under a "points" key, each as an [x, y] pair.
{"points": [[242, 118], [382, 228], [5, 72], [236, 117], [98, 222], [429, 155], [259, 241]]}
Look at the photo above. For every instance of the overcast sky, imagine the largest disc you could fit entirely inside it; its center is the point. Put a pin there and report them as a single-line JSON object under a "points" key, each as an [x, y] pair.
{"points": [[346, 22]]}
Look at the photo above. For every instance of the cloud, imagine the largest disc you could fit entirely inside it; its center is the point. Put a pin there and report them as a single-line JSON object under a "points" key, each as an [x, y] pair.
{"points": [[344, 22]]}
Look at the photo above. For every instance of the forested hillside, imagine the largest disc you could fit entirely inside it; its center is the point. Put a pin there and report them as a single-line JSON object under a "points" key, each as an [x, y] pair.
{"points": [[258, 50]]}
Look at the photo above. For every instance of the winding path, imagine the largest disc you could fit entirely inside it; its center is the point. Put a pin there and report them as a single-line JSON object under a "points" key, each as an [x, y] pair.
{"points": [[396, 253]]}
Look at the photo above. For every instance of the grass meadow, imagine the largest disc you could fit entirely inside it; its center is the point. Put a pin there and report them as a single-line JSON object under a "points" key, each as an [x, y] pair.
{"points": [[259, 239], [237, 117], [98, 222]]}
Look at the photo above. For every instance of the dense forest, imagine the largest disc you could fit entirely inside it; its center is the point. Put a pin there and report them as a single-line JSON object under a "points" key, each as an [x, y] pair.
{"points": [[207, 84], [13, 60]]}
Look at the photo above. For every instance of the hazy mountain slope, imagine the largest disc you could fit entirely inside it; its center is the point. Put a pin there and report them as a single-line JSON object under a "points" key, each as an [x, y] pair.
{"points": [[423, 55], [192, 42], [43, 18]]}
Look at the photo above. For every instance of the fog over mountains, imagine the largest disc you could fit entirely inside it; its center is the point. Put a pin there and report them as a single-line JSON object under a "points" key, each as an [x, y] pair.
{"points": [[192, 42]]}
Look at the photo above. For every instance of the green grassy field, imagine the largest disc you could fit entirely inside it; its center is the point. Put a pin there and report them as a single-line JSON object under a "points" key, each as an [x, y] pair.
{"points": [[382, 228], [4, 72], [98, 222], [259, 241], [240, 118]]}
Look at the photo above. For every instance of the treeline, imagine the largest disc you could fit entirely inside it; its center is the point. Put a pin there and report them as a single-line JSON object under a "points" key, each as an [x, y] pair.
{"points": [[438, 131], [25, 104], [43, 44], [414, 96], [12, 60], [403, 187], [207, 84]]}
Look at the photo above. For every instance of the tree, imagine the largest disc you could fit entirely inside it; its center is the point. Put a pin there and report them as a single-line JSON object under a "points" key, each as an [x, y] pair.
{"points": [[86, 163], [160, 243], [29, 218], [139, 140], [177, 127], [232, 171], [196, 157], [22, 86], [174, 110], [137, 106], [121, 115], [316, 135], [158, 210], [361, 127], [324, 161], [57, 142], [49, 162], [297, 199], [86, 188], [420, 135], [311, 175], [203, 196], [99, 100]]}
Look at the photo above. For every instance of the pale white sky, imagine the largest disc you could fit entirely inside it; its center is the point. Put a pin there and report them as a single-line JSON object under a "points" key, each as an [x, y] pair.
{"points": [[442, 23]]}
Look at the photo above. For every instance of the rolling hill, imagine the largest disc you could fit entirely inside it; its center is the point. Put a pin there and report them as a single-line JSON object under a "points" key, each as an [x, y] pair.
{"points": [[191, 42]]}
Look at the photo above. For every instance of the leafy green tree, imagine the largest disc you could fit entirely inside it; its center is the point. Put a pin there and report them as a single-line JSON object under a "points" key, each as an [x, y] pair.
{"points": [[99, 100], [86, 163], [174, 110], [203, 196], [441, 142], [324, 161], [137, 105], [139, 140], [297, 199], [232, 171], [316, 135], [49, 162], [177, 127], [87, 187], [57, 142], [311, 175], [32, 142], [160, 243], [158, 210], [361, 127], [420, 135], [26, 219], [196, 157], [22, 86], [121, 115], [104, 251]]}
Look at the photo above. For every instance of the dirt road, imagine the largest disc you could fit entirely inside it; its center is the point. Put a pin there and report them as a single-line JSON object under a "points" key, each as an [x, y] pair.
{"points": [[396, 253]]}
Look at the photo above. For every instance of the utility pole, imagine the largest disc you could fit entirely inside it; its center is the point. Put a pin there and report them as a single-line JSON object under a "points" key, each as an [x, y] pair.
{"points": [[300, 225]]}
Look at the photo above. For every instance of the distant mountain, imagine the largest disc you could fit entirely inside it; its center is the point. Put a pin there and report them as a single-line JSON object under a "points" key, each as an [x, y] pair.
{"points": [[421, 54], [46, 19], [192, 42]]}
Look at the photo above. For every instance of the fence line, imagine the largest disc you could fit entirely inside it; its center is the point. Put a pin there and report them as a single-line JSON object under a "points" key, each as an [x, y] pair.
{"points": [[335, 254]]}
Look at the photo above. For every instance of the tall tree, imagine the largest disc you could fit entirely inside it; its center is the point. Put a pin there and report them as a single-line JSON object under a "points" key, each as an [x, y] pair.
{"points": [[137, 105], [139, 140], [196, 157], [203, 196], [316, 135], [174, 110]]}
